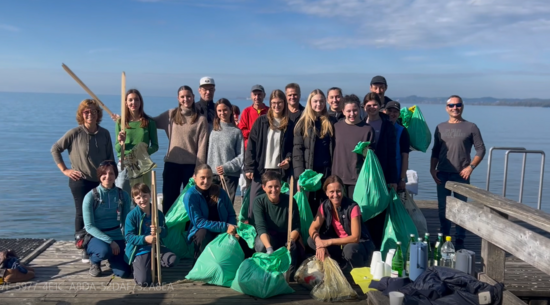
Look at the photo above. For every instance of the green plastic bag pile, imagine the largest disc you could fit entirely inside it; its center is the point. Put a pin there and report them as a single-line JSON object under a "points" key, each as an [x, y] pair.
{"points": [[243, 214], [262, 275], [309, 181], [398, 226], [419, 132], [218, 263], [176, 220], [247, 232], [371, 192]]}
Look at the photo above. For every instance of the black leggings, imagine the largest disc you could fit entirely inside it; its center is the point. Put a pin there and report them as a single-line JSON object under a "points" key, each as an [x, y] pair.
{"points": [[231, 182], [173, 177], [79, 189]]}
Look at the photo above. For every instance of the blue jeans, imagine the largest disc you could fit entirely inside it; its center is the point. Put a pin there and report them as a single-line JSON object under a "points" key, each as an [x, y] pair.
{"points": [[99, 250], [442, 194]]}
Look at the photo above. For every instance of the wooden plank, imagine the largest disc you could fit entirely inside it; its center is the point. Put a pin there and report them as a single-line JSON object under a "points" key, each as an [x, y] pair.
{"points": [[493, 257], [377, 298], [509, 207], [508, 298], [524, 244]]}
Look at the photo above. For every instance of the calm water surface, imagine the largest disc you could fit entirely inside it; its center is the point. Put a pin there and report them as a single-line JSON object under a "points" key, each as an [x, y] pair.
{"points": [[36, 200]]}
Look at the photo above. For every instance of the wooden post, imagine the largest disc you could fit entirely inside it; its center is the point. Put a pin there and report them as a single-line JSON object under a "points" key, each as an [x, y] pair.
{"points": [[156, 263], [290, 208], [493, 257], [86, 88], [122, 116]]}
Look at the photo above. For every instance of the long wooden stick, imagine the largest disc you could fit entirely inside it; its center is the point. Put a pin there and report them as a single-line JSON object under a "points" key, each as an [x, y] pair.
{"points": [[154, 214], [224, 184], [86, 88], [290, 208], [122, 116]]}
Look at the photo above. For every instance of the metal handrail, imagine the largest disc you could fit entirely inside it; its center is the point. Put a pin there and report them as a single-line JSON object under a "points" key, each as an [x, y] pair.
{"points": [[490, 158], [524, 152]]}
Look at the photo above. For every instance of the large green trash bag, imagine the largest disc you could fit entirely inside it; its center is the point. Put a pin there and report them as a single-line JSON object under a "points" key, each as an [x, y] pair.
{"points": [[247, 232], [243, 214], [371, 192], [262, 275], [419, 132], [309, 181], [398, 226], [218, 263], [176, 220], [284, 187]]}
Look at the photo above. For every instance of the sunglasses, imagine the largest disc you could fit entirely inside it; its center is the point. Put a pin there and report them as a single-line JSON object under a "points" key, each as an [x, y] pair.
{"points": [[88, 112], [458, 105], [108, 162]]}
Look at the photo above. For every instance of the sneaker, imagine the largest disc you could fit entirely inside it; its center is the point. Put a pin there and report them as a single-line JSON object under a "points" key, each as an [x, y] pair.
{"points": [[95, 270], [85, 257]]}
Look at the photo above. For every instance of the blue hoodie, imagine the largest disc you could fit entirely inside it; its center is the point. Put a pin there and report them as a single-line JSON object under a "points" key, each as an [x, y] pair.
{"points": [[136, 231], [197, 209]]}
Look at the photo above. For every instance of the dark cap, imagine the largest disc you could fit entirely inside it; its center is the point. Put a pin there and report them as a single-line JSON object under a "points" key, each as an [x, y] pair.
{"points": [[378, 80], [257, 88], [393, 104]]}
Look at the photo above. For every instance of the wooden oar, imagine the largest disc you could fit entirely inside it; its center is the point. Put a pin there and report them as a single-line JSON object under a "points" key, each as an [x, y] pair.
{"points": [[122, 116], [86, 88], [290, 206], [155, 251]]}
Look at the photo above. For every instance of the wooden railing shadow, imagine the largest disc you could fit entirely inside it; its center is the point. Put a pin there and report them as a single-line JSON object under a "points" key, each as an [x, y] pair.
{"points": [[487, 216]]}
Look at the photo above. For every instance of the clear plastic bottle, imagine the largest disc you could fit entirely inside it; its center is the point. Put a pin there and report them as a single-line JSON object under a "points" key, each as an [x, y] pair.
{"points": [[447, 253], [408, 262]]}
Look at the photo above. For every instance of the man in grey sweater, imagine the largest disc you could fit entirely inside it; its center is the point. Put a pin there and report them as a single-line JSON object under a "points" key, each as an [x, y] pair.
{"points": [[451, 161]]}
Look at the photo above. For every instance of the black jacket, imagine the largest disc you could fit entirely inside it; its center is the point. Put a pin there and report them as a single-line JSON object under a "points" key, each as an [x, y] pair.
{"points": [[344, 213], [304, 148], [385, 150], [206, 108], [257, 146], [337, 115]]}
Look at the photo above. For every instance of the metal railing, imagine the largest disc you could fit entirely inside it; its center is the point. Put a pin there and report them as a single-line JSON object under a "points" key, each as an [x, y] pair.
{"points": [[489, 163]]}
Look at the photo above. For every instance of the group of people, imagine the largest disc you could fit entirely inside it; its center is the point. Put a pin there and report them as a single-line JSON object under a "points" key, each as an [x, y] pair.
{"points": [[258, 151]]}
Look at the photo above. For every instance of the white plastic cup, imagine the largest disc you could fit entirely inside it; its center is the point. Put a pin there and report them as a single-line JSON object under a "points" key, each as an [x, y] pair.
{"points": [[389, 256], [376, 257], [379, 271], [396, 298], [387, 269]]}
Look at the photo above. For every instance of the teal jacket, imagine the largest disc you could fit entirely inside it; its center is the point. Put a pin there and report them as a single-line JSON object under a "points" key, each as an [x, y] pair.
{"points": [[134, 228]]}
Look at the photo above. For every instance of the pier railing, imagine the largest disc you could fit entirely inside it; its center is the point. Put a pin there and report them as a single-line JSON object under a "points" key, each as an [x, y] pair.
{"points": [[486, 215]]}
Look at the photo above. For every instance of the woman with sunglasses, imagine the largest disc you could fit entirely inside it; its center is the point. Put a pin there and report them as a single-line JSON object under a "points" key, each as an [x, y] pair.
{"points": [[269, 145], [88, 145], [104, 211], [187, 133], [139, 128], [384, 148]]}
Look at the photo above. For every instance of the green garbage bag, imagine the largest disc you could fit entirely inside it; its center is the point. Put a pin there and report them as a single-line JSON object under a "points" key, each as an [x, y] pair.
{"points": [[176, 220], [284, 187], [247, 232], [262, 275], [398, 226], [243, 214], [419, 132], [371, 192], [218, 263], [309, 181]]}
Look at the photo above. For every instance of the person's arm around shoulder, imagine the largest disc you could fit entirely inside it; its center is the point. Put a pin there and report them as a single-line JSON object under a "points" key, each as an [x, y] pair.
{"points": [[162, 120], [153, 137]]}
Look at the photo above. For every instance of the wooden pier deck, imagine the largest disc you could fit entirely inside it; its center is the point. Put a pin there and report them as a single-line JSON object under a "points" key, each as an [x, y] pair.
{"points": [[63, 279]]}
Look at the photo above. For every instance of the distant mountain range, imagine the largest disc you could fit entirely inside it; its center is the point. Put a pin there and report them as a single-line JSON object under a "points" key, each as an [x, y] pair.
{"points": [[489, 101]]}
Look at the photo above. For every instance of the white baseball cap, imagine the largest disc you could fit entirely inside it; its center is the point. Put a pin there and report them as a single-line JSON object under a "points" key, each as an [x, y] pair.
{"points": [[207, 80]]}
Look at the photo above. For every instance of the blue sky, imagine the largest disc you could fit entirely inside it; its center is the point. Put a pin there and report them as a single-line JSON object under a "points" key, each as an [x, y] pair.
{"points": [[473, 48]]}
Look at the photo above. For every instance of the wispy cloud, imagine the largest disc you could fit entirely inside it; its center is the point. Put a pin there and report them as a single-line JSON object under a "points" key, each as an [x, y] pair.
{"points": [[9, 28]]}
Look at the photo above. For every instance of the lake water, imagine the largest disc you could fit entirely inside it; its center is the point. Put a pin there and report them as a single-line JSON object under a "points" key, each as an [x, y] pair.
{"points": [[36, 200]]}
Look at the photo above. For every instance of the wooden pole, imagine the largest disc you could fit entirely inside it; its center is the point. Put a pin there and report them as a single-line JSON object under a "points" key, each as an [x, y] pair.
{"points": [[122, 116], [86, 88], [290, 208], [224, 184], [154, 214]]}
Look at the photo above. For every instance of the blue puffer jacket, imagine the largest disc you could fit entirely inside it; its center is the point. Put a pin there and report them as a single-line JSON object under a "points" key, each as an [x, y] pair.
{"points": [[197, 209], [134, 232]]}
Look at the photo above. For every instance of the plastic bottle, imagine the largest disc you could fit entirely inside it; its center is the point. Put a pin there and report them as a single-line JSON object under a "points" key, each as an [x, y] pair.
{"points": [[397, 261], [408, 262], [429, 249], [437, 249], [447, 253]]}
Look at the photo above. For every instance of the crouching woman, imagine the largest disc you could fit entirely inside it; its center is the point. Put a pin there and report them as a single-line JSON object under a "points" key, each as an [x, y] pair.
{"points": [[338, 230], [104, 211], [140, 235]]}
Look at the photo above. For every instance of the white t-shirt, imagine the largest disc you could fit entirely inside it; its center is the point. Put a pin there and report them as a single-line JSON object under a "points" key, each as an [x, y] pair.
{"points": [[273, 149]]}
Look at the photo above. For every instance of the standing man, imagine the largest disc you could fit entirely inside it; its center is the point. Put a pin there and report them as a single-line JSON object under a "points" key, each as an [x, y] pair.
{"points": [[205, 106], [451, 161], [293, 94], [334, 96], [252, 113], [379, 86]]}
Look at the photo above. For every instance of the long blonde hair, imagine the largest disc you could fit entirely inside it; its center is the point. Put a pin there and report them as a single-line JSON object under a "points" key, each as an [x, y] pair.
{"points": [[307, 121], [271, 116]]}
